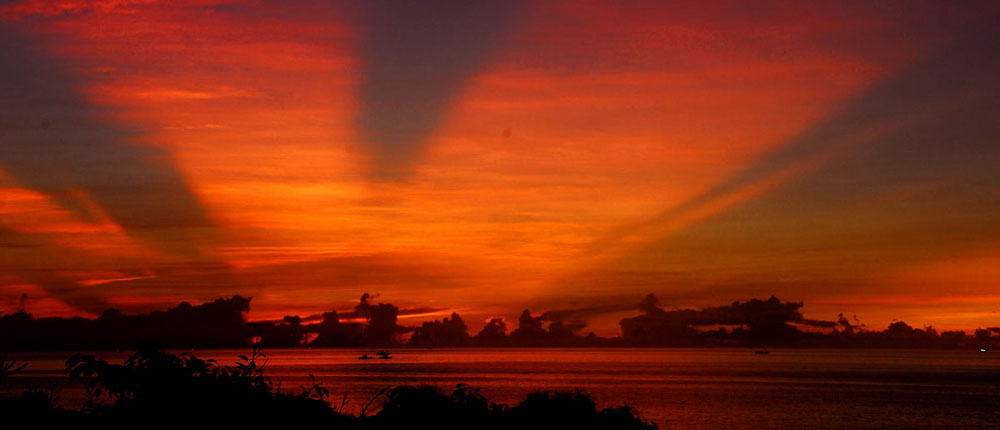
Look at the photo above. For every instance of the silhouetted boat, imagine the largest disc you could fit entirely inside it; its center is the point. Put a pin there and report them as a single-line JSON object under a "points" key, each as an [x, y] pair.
{"points": [[383, 355], [365, 356], [760, 352]]}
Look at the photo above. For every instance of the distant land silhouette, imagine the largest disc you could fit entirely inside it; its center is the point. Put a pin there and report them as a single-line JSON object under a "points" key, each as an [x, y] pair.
{"points": [[223, 324]]}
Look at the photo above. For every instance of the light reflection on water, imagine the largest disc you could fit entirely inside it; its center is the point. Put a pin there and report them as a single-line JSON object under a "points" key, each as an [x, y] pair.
{"points": [[677, 388]]}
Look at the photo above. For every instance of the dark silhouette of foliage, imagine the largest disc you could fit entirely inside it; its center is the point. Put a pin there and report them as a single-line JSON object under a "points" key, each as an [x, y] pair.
{"points": [[34, 403], [217, 324], [559, 409], [154, 384], [382, 328], [8, 368], [450, 332], [288, 333], [221, 324], [427, 407], [330, 332], [494, 333]]}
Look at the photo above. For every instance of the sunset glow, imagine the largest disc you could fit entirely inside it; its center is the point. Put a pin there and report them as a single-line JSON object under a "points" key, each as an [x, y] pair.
{"points": [[560, 155]]}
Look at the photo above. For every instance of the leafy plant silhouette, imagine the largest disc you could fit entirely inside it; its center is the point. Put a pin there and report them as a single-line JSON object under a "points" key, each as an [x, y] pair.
{"points": [[8, 368], [156, 383]]}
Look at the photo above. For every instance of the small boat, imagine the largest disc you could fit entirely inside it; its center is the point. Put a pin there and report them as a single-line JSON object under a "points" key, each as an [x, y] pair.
{"points": [[760, 352], [383, 355], [365, 356], [983, 350]]}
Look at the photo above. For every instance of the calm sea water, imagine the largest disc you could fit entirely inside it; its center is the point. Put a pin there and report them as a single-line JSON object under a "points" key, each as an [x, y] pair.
{"points": [[677, 388]]}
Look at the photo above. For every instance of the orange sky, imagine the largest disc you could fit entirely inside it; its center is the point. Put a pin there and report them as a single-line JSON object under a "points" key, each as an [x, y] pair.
{"points": [[484, 159]]}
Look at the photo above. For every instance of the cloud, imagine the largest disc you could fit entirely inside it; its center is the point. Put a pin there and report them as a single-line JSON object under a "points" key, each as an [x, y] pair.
{"points": [[15, 9], [902, 173], [934, 94], [22, 247], [585, 312], [416, 57], [53, 140]]}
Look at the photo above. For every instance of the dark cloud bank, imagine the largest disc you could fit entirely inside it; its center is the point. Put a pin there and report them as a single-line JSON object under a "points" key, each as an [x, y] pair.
{"points": [[222, 324]]}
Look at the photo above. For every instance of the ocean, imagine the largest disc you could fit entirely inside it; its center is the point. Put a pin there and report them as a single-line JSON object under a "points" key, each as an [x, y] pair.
{"points": [[713, 388]]}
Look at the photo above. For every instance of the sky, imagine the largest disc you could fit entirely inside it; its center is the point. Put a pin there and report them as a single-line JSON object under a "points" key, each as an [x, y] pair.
{"points": [[491, 156]]}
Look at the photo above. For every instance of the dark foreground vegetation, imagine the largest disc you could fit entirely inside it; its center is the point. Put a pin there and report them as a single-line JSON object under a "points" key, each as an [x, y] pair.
{"points": [[221, 324], [155, 388]]}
